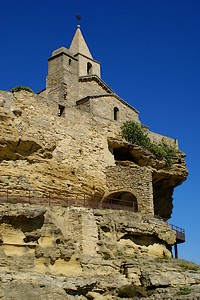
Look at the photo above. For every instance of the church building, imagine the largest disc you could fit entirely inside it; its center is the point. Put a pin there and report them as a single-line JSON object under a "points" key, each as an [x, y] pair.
{"points": [[67, 140]]}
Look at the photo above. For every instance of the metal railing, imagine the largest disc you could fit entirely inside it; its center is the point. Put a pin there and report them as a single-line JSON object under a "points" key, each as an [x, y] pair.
{"points": [[65, 198], [180, 233]]}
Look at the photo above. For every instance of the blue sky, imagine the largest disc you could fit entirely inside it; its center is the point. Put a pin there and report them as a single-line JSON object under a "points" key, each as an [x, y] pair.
{"points": [[149, 51]]}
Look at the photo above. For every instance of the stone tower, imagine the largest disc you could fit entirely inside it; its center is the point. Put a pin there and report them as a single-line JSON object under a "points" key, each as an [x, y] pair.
{"points": [[67, 66], [74, 80], [86, 64]]}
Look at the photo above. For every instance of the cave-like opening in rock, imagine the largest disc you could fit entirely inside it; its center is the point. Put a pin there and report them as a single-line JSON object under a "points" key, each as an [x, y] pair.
{"points": [[122, 154], [120, 200], [162, 199]]}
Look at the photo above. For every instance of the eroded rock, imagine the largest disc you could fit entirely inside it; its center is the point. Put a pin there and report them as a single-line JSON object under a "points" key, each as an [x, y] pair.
{"points": [[82, 253]]}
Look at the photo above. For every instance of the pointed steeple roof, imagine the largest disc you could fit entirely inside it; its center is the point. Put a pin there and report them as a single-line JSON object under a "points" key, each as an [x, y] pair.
{"points": [[78, 44]]}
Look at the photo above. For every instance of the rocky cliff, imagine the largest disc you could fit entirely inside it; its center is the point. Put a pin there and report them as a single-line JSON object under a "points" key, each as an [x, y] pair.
{"points": [[78, 253], [50, 153], [61, 251], [79, 152]]}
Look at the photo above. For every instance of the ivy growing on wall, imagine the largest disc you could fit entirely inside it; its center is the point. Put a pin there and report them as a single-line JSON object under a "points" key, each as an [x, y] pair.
{"points": [[136, 133]]}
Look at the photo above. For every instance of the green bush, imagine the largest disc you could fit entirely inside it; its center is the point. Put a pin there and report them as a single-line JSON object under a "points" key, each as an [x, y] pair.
{"points": [[136, 133], [169, 151], [157, 150], [21, 88]]}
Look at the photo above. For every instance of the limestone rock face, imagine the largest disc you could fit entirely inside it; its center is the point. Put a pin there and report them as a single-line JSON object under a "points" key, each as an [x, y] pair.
{"points": [[77, 253], [67, 252], [50, 153], [79, 151]]}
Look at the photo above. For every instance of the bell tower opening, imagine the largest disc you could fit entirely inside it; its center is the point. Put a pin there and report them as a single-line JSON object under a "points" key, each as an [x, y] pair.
{"points": [[89, 68]]}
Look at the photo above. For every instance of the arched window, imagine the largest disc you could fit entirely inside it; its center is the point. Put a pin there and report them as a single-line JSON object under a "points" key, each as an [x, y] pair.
{"points": [[116, 113], [89, 68], [70, 61]]}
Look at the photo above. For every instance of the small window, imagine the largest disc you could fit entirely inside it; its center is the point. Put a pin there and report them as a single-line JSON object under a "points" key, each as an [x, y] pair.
{"points": [[89, 68], [116, 113], [61, 110], [70, 61]]}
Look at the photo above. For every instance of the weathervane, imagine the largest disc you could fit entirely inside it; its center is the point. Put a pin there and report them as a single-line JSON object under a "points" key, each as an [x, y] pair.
{"points": [[78, 17]]}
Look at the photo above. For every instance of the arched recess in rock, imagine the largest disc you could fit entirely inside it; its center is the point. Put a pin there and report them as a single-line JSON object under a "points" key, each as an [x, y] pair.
{"points": [[120, 200]]}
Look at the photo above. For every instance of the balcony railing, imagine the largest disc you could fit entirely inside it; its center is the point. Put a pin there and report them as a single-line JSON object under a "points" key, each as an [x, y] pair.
{"points": [[180, 233], [65, 198]]}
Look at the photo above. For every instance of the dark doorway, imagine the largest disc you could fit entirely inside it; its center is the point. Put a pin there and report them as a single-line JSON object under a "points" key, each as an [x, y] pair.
{"points": [[121, 200]]}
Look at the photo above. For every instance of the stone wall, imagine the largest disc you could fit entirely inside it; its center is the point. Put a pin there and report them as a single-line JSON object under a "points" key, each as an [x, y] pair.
{"points": [[133, 179], [62, 78], [156, 138], [90, 87], [103, 107]]}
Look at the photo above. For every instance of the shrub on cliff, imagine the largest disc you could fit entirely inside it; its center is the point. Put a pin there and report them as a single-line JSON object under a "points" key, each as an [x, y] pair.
{"points": [[21, 88], [136, 133]]}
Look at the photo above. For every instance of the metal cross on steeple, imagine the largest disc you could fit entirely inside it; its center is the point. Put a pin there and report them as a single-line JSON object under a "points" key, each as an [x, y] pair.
{"points": [[78, 17]]}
